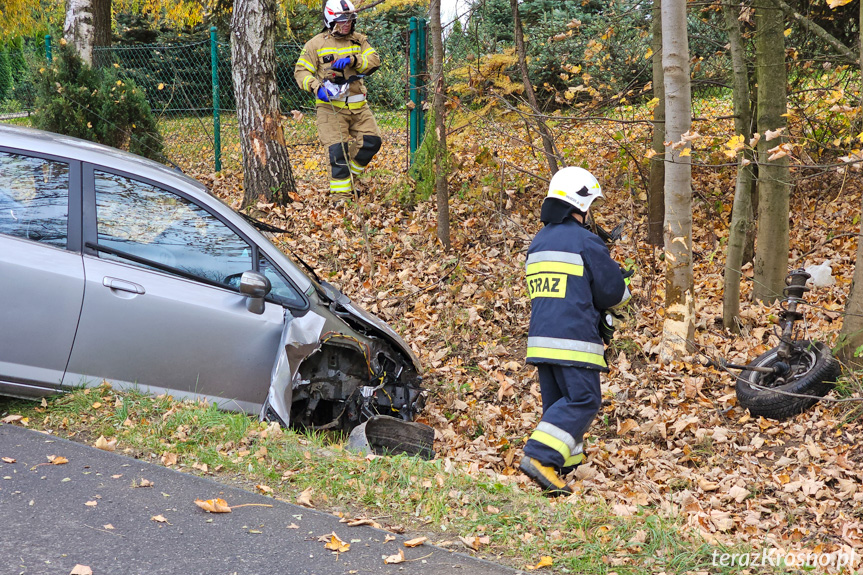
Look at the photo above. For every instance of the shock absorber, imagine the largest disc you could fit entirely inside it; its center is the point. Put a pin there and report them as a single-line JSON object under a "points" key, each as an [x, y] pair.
{"points": [[795, 287]]}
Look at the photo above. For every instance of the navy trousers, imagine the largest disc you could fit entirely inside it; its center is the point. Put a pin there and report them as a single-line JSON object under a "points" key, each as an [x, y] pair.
{"points": [[571, 398]]}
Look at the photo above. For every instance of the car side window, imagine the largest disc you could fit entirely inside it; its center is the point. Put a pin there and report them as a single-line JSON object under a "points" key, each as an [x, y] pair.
{"points": [[34, 198], [282, 290], [149, 222]]}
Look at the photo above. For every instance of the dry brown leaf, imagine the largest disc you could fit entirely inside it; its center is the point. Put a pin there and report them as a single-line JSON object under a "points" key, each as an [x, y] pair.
{"points": [[213, 505], [159, 519], [475, 541], [57, 459], [292, 526], [305, 498], [416, 542], [11, 418], [81, 570], [105, 444], [108, 526], [143, 483], [626, 426], [388, 538], [169, 459], [264, 489], [8, 460], [91, 503], [397, 558], [358, 522]]}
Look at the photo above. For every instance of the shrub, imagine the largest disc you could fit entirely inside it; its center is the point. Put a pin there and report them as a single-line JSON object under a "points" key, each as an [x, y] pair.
{"points": [[5, 75], [74, 99]]}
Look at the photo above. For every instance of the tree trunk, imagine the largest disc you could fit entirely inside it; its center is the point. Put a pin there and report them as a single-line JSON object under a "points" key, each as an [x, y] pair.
{"points": [[267, 172], [678, 329], [771, 248], [547, 141], [439, 105], [87, 25], [851, 335], [742, 218], [656, 200]]}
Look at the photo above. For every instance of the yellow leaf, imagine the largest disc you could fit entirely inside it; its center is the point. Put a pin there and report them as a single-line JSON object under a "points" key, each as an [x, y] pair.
{"points": [[213, 505], [544, 561], [57, 459], [837, 3], [649, 54], [161, 86], [685, 152], [787, 32], [336, 544]]}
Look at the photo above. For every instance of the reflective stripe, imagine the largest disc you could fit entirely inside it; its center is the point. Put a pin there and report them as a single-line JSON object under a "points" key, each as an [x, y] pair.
{"points": [[560, 435], [307, 81], [340, 104], [307, 65], [351, 99], [340, 186], [555, 262], [566, 344], [364, 57], [565, 355], [574, 460], [347, 51], [627, 295], [357, 169]]}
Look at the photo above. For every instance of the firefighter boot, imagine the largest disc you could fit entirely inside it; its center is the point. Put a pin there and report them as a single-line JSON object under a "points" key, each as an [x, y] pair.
{"points": [[545, 477]]}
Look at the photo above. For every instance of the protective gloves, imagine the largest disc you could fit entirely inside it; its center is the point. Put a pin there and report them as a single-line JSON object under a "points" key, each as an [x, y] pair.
{"points": [[606, 326], [328, 91], [343, 63], [323, 95]]}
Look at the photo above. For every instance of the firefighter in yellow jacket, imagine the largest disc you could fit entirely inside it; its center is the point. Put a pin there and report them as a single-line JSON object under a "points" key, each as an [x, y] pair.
{"points": [[332, 66]]}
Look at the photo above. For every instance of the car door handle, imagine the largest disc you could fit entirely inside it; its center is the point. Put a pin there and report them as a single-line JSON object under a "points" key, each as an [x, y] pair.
{"points": [[123, 285]]}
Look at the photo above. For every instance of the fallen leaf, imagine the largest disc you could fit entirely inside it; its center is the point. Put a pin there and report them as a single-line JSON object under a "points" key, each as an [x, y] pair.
{"points": [[264, 488], [159, 519], [81, 570], [544, 561], [108, 526], [388, 538], [143, 483], [105, 444], [626, 426], [92, 503], [416, 542], [476, 541], [358, 522], [57, 459], [292, 526], [8, 460], [336, 544], [397, 558], [305, 498], [169, 459], [11, 418], [213, 505]]}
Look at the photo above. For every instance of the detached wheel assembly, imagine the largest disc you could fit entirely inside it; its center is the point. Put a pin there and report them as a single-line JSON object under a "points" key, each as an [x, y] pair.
{"points": [[808, 369]]}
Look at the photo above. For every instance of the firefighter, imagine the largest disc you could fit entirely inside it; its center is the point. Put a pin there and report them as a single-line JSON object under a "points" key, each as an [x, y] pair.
{"points": [[332, 66], [571, 281]]}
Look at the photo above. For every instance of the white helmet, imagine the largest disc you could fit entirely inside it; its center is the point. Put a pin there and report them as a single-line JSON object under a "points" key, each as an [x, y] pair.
{"points": [[575, 186], [338, 11]]}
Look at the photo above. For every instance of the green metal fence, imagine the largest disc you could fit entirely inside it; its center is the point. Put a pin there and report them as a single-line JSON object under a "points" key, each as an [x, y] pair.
{"points": [[190, 90]]}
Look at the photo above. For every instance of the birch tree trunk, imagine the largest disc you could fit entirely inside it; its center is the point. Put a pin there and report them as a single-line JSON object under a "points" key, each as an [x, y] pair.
{"points": [[771, 247], [851, 335], [656, 200], [742, 220], [547, 141], [267, 172], [439, 105], [678, 328], [87, 25]]}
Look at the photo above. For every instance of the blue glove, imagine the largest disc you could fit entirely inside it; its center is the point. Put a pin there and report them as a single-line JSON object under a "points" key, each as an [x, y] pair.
{"points": [[343, 63], [323, 95]]}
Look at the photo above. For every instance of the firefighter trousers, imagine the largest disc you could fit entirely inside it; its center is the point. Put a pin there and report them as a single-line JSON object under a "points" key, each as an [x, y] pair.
{"points": [[571, 398], [351, 139]]}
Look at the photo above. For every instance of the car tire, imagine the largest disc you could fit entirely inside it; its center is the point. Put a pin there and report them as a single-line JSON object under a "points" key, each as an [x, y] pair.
{"points": [[813, 372]]}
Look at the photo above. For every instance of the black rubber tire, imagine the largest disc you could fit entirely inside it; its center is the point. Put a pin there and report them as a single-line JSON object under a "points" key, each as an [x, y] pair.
{"points": [[814, 371]]}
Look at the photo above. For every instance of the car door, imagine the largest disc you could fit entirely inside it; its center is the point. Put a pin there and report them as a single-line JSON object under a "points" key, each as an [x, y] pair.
{"points": [[161, 307], [41, 278]]}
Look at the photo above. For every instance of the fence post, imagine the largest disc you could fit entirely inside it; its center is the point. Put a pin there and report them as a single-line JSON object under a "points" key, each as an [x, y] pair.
{"points": [[48, 55], [412, 89], [422, 73], [217, 131]]}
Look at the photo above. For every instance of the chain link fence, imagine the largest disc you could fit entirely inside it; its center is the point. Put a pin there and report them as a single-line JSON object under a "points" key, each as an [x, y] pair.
{"points": [[180, 86]]}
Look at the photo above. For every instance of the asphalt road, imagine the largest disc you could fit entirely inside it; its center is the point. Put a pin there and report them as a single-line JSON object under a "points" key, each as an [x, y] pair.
{"points": [[87, 512]]}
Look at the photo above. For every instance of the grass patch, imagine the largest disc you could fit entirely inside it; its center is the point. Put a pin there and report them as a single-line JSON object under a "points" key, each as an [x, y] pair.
{"points": [[435, 498]]}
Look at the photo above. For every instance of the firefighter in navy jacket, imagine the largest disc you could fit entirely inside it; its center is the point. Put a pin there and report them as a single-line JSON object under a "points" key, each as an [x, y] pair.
{"points": [[571, 280]]}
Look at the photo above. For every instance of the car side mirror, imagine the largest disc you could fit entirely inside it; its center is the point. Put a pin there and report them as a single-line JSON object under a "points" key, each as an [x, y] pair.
{"points": [[255, 286]]}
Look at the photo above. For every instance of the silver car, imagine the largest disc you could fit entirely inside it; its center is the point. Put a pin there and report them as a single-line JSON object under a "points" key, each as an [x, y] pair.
{"points": [[117, 268]]}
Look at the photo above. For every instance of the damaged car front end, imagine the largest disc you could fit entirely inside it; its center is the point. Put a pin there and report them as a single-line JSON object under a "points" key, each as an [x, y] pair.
{"points": [[338, 366]]}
